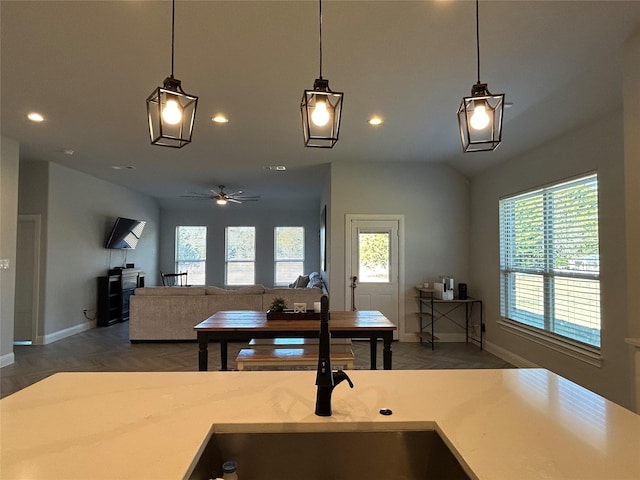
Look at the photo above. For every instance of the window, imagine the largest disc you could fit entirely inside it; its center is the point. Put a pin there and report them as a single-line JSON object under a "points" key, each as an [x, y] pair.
{"points": [[550, 261], [191, 253], [288, 254], [373, 257], [240, 256]]}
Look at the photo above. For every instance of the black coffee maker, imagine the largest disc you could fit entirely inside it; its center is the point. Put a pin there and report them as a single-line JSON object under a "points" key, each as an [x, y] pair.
{"points": [[462, 291]]}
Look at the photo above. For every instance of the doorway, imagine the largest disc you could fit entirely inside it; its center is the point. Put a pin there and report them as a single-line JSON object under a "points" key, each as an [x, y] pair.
{"points": [[25, 325], [374, 265]]}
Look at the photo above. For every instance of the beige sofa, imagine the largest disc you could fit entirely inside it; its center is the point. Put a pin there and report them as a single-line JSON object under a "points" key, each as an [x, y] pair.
{"points": [[170, 313]]}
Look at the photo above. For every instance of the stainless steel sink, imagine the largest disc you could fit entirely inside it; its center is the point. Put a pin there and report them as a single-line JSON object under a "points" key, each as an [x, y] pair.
{"points": [[350, 455]]}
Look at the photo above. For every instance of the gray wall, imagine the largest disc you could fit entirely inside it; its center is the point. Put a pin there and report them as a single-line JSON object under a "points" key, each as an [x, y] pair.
{"points": [[434, 200], [597, 147], [9, 168], [263, 215], [77, 212], [631, 94]]}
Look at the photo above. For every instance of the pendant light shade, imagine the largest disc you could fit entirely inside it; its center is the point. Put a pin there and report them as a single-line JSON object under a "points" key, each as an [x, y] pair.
{"points": [[170, 110], [480, 115], [480, 119], [172, 113], [321, 109]]}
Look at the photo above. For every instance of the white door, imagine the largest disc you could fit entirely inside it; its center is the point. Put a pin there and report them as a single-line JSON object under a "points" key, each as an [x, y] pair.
{"points": [[373, 256], [27, 272]]}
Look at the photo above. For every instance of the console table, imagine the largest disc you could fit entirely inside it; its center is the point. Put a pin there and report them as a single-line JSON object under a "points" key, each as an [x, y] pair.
{"points": [[434, 309], [246, 324]]}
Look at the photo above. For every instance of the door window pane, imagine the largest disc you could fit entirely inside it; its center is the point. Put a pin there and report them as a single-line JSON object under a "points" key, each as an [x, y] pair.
{"points": [[373, 257]]}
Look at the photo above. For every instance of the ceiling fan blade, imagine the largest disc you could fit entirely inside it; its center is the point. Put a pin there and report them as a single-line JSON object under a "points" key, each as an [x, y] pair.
{"points": [[233, 200], [248, 197], [197, 195]]}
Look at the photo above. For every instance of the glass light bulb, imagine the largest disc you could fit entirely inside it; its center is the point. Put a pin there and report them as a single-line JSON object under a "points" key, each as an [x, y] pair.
{"points": [[172, 114], [320, 115], [221, 201], [479, 119]]}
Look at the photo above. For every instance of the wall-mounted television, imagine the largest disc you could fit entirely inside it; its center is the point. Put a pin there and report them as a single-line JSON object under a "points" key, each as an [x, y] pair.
{"points": [[125, 233]]}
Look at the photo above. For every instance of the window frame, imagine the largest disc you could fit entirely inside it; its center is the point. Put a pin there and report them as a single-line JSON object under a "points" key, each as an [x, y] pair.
{"points": [[277, 261], [228, 262], [178, 261], [550, 270]]}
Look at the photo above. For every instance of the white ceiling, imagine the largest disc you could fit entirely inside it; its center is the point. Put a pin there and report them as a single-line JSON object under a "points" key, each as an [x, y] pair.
{"points": [[88, 67]]}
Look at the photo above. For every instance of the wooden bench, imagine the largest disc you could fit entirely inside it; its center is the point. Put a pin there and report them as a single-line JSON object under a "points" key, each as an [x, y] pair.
{"points": [[292, 352]]}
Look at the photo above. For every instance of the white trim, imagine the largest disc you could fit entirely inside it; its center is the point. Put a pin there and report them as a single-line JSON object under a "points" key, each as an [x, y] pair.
{"points": [[67, 332], [508, 356], [581, 352], [350, 217], [37, 233], [7, 359]]}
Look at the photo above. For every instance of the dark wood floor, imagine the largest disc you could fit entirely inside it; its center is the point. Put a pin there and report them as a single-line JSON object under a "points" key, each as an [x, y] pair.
{"points": [[109, 350]]}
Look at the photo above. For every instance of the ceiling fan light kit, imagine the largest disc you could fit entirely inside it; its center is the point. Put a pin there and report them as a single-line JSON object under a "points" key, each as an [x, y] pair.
{"points": [[171, 111], [321, 109], [480, 115]]}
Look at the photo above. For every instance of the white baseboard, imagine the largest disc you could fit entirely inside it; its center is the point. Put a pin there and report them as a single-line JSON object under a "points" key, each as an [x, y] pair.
{"points": [[508, 356], [7, 359], [67, 332]]}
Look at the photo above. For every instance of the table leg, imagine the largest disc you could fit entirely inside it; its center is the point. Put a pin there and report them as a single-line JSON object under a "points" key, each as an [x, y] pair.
{"points": [[386, 352], [373, 347], [203, 352], [223, 355], [481, 326], [466, 319]]}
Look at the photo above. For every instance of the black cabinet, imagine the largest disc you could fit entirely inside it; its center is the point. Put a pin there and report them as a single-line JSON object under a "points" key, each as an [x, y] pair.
{"points": [[114, 291]]}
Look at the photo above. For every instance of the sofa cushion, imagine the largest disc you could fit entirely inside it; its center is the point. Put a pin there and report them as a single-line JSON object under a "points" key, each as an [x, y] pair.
{"points": [[252, 289], [218, 291], [301, 281], [248, 290], [169, 291]]}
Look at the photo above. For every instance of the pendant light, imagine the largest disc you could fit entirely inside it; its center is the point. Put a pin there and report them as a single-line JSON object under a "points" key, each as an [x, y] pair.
{"points": [[321, 110], [171, 111], [480, 115]]}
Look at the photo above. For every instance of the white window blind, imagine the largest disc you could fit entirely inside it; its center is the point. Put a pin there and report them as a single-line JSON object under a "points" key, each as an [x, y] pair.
{"points": [[191, 253], [288, 254], [549, 260], [240, 255]]}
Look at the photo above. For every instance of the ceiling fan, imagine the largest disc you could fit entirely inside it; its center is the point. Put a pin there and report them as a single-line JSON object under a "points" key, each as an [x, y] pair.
{"points": [[221, 197]]}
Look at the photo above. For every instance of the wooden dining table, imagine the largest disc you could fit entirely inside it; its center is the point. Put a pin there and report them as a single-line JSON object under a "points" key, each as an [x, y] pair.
{"points": [[233, 325]]}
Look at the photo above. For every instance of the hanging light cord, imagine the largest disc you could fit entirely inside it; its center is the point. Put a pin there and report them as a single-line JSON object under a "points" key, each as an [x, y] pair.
{"points": [[320, 2], [478, 38], [173, 27]]}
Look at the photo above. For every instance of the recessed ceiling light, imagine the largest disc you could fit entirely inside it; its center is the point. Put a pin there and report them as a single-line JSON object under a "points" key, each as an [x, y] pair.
{"points": [[375, 121], [123, 167], [219, 118], [35, 117], [68, 151], [278, 168]]}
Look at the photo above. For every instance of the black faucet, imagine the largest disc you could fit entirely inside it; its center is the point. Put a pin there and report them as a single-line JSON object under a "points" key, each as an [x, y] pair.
{"points": [[326, 379]]}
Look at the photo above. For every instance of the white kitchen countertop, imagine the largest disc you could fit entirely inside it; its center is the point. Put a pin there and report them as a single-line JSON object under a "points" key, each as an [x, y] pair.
{"points": [[504, 424]]}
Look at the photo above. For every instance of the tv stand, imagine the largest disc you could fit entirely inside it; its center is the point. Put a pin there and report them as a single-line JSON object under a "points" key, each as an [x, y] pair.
{"points": [[114, 291]]}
